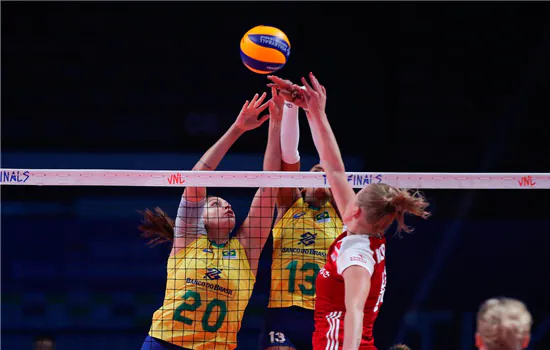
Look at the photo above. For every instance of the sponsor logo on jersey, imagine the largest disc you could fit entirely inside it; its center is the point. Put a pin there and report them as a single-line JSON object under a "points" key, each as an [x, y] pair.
{"points": [[213, 273], [304, 251], [359, 258], [299, 215], [211, 286], [322, 217], [229, 254], [308, 238]]}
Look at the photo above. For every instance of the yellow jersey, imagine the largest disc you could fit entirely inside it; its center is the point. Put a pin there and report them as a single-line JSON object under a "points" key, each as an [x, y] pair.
{"points": [[300, 243], [207, 290]]}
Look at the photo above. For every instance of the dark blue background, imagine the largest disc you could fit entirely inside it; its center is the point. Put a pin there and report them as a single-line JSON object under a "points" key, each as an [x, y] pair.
{"points": [[443, 87]]}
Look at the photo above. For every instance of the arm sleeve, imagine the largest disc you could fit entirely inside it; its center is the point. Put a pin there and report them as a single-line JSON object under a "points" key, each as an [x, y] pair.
{"points": [[290, 134], [189, 219], [356, 251]]}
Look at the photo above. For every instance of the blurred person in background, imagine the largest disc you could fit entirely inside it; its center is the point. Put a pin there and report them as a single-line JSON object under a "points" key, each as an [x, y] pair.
{"points": [[44, 342], [503, 324], [399, 347]]}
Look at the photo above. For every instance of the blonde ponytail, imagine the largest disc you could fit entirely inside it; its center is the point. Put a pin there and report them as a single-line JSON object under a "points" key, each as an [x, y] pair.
{"points": [[381, 200]]}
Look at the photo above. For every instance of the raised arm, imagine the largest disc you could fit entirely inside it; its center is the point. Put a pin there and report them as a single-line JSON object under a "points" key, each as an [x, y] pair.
{"points": [[246, 120], [290, 138], [326, 144], [257, 225], [313, 101], [189, 220]]}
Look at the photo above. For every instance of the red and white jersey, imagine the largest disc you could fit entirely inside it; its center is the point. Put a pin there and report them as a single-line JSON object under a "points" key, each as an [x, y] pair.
{"points": [[330, 308]]}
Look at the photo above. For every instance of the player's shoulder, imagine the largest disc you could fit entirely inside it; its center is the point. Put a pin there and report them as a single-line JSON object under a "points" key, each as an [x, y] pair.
{"points": [[361, 243], [356, 250]]}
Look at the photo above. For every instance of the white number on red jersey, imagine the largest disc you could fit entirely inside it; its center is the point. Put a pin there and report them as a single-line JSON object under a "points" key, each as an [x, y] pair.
{"points": [[381, 253], [382, 291]]}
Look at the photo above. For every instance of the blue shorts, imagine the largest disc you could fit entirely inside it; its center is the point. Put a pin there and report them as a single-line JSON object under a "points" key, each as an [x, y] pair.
{"points": [[291, 326], [151, 343]]}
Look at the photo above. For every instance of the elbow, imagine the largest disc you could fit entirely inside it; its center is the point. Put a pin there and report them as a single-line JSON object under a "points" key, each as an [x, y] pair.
{"points": [[355, 306], [290, 156], [335, 170], [356, 303], [333, 165], [272, 161], [272, 165], [339, 170]]}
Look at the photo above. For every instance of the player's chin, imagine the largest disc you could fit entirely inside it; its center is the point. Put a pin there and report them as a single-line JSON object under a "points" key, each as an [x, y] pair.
{"points": [[322, 194], [229, 222]]}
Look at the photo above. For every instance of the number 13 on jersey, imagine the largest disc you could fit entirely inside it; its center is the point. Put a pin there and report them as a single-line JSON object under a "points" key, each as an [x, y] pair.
{"points": [[310, 269]]}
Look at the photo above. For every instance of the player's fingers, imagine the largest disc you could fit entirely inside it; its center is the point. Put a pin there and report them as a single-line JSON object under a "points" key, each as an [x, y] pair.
{"points": [[254, 100], [280, 81], [262, 107], [309, 89], [276, 79], [285, 94], [315, 82], [263, 119], [260, 100]]}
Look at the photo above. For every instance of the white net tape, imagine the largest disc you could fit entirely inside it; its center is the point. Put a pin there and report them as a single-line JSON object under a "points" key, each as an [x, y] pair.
{"points": [[176, 178]]}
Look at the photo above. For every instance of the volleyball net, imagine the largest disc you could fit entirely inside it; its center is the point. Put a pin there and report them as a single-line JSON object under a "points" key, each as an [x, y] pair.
{"points": [[200, 295], [178, 178]]}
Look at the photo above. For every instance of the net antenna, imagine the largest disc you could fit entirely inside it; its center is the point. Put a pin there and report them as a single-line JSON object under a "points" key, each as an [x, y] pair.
{"points": [[180, 178]]}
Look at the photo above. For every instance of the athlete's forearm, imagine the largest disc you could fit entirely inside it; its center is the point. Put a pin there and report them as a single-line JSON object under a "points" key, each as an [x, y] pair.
{"points": [[260, 217], [210, 161], [290, 134], [212, 158], [326, 144], [272, 158], [353, 329]]}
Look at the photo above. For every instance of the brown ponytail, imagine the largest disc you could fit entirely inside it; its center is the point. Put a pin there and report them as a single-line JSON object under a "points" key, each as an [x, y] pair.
{"points": [[381, 200], [157, 226]]}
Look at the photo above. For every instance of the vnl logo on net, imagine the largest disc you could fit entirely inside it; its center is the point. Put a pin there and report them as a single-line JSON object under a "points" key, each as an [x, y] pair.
{"points": [[175, 179], [14, 176], [526, 181]]}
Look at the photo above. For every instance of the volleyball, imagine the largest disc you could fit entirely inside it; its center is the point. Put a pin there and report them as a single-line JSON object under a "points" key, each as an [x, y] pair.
{"points": [[265, 49]]}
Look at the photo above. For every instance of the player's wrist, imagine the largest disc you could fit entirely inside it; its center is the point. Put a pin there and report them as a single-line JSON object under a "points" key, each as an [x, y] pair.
{"points": [[236, 130]]}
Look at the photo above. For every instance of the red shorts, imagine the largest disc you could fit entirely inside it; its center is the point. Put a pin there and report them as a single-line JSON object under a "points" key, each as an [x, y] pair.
{"points": [[329, 334]]}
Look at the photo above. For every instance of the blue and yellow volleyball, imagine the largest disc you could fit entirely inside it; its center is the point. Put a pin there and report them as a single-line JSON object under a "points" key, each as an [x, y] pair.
{"points": [[265, 49]]}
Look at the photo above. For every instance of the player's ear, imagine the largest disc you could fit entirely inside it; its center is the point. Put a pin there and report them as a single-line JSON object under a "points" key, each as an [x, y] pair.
{"points": [[479, 341], [356, 211], [526, 342]]}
